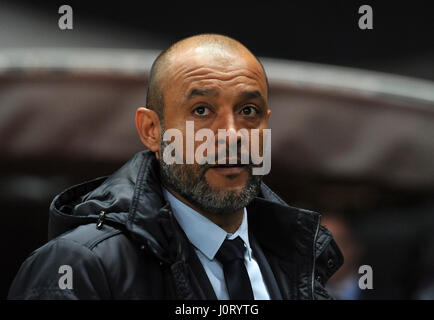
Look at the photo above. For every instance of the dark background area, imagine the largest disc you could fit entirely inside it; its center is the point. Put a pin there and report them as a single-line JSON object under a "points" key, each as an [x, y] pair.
{"points": [[315, 31]]}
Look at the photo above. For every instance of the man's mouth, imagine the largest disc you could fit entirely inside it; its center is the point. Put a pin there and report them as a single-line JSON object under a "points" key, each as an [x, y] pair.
{"points": [[229, 169]]}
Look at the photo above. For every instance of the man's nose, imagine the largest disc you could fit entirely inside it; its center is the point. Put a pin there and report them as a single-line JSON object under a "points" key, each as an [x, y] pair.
{"points": [[228, 141], [226, 121]]}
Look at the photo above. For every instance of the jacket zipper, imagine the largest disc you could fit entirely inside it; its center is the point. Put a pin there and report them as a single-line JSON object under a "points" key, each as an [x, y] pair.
{"points": [[314, 256]]}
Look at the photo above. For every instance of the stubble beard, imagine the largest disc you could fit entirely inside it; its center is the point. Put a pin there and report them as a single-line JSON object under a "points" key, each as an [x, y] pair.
{"points": [[189, 181]]}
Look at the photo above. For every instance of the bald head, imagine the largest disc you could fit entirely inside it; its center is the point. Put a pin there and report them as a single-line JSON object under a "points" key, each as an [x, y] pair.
{"points": [[208, 46]]}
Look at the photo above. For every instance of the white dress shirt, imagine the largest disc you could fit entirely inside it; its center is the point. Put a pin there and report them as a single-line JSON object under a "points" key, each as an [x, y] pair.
{"points": [[207, 237]]}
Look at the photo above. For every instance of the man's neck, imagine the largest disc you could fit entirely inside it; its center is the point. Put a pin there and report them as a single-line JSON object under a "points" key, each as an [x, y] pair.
{"points": [[230, 222]]}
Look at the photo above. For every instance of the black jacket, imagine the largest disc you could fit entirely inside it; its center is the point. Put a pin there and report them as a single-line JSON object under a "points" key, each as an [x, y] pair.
{"points": [[122, 242]]}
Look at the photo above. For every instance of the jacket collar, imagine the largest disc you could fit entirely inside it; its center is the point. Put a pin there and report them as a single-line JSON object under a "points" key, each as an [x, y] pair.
{"points": [[133, 198], [278, 228]]}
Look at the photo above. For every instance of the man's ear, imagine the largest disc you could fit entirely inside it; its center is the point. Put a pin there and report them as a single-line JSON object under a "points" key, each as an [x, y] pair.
{"points": [[268, 114], [148, 127]]}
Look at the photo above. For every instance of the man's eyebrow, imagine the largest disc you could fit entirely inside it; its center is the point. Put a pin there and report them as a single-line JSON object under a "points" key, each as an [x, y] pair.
{"points": [[252, 94], [200, 93]]}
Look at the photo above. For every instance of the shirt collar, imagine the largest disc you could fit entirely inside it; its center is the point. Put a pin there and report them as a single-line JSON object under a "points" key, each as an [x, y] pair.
{"points": [[204, 234]]}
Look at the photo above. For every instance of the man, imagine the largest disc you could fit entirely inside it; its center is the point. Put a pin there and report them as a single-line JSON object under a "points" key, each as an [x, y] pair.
{"points": [[155, 230]]}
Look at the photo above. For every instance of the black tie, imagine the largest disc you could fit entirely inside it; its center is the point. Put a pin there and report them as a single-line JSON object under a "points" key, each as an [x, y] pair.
{"points": [[231, 255]]}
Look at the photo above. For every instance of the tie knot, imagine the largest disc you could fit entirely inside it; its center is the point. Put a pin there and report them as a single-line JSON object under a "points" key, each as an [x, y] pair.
{"points": [[231, 250]]}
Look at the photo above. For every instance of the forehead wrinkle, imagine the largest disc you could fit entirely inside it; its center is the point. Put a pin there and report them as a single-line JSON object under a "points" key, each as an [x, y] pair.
{"points": [[210, 74], [183, 71], [207, 71], [214, 84], [221, 78], [196, 60]]}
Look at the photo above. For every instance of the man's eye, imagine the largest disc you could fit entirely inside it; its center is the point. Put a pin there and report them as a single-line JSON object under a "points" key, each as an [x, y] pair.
{"points": [[248, 111], [201, 111]]}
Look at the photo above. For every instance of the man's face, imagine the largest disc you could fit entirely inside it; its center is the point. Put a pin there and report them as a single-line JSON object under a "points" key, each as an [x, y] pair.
{"points": [[215, 90]]}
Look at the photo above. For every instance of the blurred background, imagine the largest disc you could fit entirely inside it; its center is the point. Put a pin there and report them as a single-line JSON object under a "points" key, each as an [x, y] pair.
{"points": [[352, 117]]}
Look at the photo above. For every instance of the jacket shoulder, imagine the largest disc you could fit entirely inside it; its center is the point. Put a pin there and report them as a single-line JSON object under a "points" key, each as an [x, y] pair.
{"points": [[105, 264], [74, 254], [89, 236]]}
